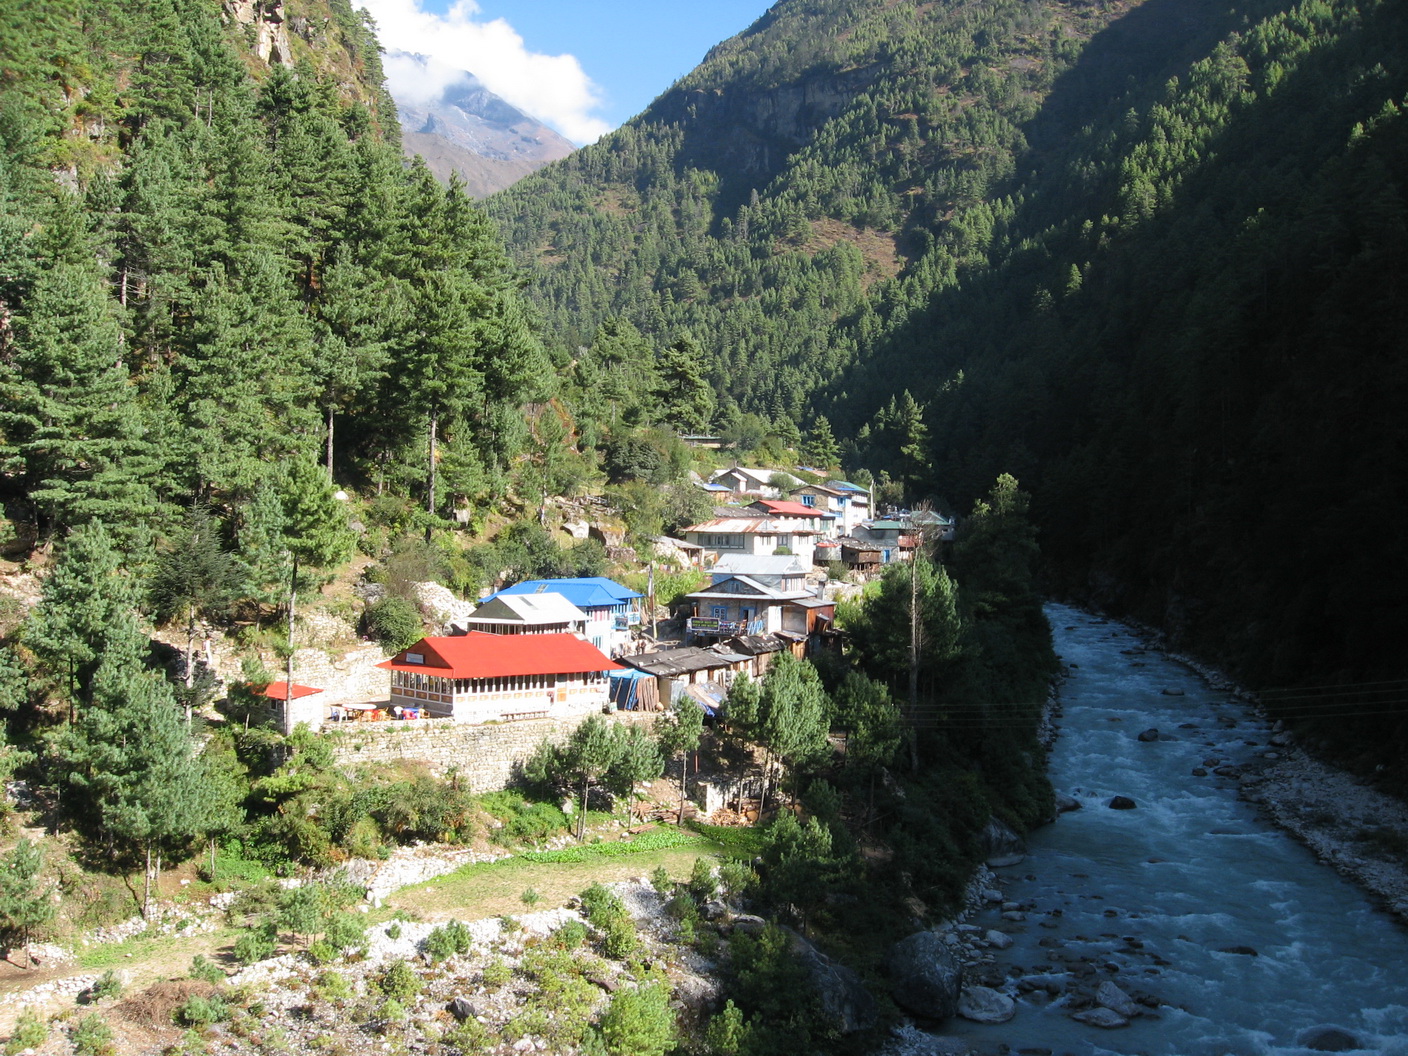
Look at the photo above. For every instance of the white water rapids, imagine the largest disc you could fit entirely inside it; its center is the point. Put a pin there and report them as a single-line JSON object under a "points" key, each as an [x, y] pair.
{"points": [[1152, 896]]}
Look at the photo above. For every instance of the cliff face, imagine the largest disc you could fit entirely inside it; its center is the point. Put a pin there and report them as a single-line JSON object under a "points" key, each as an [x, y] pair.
{"points": [[267, 23], [747, 131]]}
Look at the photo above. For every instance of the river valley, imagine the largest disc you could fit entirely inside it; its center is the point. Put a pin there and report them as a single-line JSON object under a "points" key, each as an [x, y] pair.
{"points": [[1231, 935]]}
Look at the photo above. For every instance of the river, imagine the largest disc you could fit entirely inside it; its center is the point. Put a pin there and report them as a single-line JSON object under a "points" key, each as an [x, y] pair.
{"points": [[1153, 897]]}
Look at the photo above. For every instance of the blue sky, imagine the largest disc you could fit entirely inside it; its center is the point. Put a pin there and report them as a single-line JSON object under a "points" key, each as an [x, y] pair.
{"points": [[582, 68]]}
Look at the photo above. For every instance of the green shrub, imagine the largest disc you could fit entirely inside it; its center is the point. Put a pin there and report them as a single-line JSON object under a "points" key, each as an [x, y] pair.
{"points": [[394, 622], [639, 1022], [92, 1037], [333, 986], [496, 973], [30, 1032], [399, 981], [320, 951], [599, 904], [447, 940], [256, 944], [393, 930], [660, 880], [727, 1033], [106, 986], [199, 1011], [737, 878], [618, 938], [391, 1010], [345, 931], [570, 936], [530, 897], [523, 821], [702, 884], [206, 971]]}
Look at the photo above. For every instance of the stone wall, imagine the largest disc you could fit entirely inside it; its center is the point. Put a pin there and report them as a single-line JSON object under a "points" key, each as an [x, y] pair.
{"points": [[484, 757]]}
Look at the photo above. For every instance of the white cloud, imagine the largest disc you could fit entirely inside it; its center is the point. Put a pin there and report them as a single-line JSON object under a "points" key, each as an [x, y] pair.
{"points": [[553, 88]]}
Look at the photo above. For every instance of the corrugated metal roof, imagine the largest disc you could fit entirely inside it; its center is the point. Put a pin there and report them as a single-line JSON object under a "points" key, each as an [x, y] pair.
{"points": [[480, 655]]}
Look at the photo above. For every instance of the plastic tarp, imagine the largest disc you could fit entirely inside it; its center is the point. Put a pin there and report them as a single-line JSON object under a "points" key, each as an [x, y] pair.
{"points": [[622, 685]]}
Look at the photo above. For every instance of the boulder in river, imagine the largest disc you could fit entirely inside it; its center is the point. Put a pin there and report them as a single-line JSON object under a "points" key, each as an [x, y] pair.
{"points": [[925, 978], [1001, 846], [1101, 1017], [1149, 735], [1065, 804], [1122, 803], [1172, 692], [1327, 1039], [1116, 1000], [1244, 951], [982, 1004], [998, 940]]}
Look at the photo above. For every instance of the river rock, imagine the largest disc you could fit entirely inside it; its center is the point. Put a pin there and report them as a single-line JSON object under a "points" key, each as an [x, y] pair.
{"points": [[1122, 803], [1001, 846], [843, 997], [982, 1004], [1116, 1000], [1327, 1039], [1244, 951], [1106, 1018], [1148, 735], [925, 978], [1065, 804], [1172, 692], [998, 940]]}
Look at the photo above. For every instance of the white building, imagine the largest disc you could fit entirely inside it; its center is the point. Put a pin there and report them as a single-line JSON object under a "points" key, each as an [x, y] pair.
{"points": [[478, 677]]}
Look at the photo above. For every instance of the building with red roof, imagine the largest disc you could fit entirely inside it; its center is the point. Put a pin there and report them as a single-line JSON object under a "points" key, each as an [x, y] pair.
{"points": [[479, 677]]}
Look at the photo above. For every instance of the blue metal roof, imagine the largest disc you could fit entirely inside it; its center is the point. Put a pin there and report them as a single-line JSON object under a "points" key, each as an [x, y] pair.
{"points": [[846, 485], [591, 592]]}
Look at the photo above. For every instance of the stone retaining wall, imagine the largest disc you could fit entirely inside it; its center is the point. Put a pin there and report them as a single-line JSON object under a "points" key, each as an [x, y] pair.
{"points": [[483, 756]]}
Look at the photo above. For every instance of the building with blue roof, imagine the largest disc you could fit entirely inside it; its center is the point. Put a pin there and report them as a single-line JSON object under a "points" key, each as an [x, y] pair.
{"points": [[611, 609]]}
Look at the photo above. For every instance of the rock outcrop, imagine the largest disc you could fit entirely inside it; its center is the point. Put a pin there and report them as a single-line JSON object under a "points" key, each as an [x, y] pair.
{"points": [[925, 978]]}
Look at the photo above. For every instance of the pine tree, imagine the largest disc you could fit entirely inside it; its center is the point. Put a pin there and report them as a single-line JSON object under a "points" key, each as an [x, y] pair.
{"points": [[25, 902], [68, 416], [135, 778], [193, 574], [87, 612]]}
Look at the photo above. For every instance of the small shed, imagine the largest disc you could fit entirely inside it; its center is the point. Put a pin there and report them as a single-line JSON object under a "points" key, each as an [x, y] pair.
{"points": [[293, 707]]}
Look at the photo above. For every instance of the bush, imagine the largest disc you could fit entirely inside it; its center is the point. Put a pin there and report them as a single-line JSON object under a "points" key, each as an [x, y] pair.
{"points": [[333, 986], [323, 952], [394, 622], [496, 973], [206, 971], [399, 981], [523, 821], [599, 904], [737, 878], [660, 880], [639, 1022], [618, 938], [92, 1037], [108, 985], [256, 944], [446, 941], [569, 936], [30, 1032], [199, 1011], [530, 897], [702, 884]]}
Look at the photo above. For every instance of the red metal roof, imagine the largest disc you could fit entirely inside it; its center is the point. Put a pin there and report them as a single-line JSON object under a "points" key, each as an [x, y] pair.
{"points": [[789, 509], [482, 655], [279, 691]]}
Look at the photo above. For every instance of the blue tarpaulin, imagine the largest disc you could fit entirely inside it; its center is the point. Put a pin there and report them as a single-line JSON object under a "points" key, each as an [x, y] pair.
{"points": [[623, 688]]}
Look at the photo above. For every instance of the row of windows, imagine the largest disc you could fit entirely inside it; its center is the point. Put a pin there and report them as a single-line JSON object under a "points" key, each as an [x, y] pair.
{"points": [[508, 684]]}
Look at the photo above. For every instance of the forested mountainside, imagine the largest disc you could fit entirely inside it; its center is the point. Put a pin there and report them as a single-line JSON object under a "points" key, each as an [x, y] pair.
{"points": [[235, 275], [1148, 257]]}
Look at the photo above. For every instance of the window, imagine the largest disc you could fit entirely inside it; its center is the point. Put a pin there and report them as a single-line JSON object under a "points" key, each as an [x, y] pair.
{"points": [[808, 500], [719, 612]]}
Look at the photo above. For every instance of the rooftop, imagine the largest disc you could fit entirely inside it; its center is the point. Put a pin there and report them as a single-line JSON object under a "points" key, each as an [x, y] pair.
{"points": [[480, 655]]}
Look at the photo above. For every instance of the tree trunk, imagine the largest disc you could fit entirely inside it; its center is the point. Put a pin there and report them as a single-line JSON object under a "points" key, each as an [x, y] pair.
{"points": [[292, 598], [684, 781], [582, 814], [330, 418], [147, 884], [430, 475]]}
